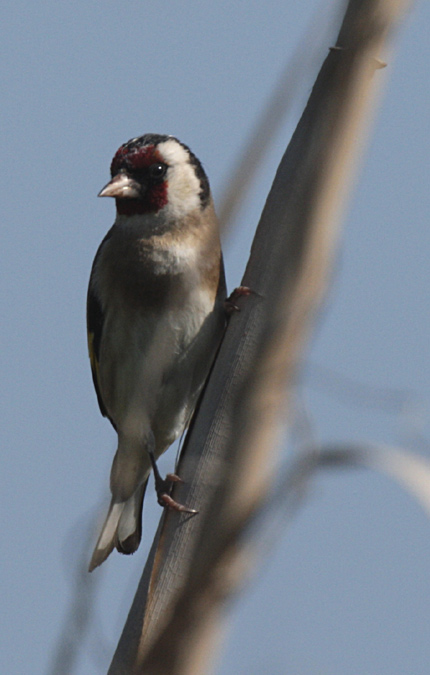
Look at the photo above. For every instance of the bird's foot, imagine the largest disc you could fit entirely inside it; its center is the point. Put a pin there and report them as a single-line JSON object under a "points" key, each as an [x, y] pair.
{"points": [[163, 488], [164, 499], [230, 305]]}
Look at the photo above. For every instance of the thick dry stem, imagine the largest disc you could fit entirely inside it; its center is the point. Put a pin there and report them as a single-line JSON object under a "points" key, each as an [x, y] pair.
{"points": [[197, 562]]}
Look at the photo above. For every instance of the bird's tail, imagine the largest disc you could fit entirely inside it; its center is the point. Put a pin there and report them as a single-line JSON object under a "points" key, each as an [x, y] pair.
{"points": [[122, 528]]}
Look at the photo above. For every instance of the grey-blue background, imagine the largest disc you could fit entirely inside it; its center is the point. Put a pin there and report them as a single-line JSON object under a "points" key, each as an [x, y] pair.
{"points": [[347, 587]]}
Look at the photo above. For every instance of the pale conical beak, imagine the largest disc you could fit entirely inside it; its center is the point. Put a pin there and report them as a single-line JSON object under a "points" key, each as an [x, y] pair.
{"points": [[122, 187]]}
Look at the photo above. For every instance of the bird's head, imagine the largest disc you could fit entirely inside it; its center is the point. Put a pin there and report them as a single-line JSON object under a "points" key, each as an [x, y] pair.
{"points": [[155, 173]]}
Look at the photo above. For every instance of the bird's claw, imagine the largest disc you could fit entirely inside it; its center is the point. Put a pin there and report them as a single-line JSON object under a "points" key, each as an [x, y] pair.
{"points": [[165, 499], [163, 489], [230, 302], [173, 478]]}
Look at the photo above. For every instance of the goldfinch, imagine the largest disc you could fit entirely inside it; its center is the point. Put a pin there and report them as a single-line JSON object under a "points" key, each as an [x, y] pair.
{"points": [[155, 316]]}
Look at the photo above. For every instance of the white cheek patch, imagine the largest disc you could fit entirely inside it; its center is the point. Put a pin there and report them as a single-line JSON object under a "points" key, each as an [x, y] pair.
{"points": [[183, 184], [173, 152]]}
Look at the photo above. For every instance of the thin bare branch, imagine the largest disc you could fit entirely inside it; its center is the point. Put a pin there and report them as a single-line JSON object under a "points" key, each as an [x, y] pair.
{"points": [[410, 470], [353, 392], [300, 66], [74, 630]]}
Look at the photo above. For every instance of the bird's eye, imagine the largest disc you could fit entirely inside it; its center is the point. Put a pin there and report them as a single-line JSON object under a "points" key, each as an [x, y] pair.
{"points": [[157, 171]]}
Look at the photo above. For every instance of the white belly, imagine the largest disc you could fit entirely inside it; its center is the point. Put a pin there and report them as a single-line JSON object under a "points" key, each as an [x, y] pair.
{"points": [[152, 369]]}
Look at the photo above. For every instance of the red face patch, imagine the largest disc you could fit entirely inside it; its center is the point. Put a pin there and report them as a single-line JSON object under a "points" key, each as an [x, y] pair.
{"points": [[137, 161], [134, 159]]}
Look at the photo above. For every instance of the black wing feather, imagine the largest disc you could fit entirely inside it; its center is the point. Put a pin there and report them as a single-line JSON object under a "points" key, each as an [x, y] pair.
{"points": [[95, 321]]}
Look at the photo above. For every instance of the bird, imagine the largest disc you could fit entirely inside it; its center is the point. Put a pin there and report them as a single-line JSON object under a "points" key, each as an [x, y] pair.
{"points": [[155, 318]]}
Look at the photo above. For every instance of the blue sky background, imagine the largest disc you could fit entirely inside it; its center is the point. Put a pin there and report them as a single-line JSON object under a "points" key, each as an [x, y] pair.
{"points": [[346, 589]]}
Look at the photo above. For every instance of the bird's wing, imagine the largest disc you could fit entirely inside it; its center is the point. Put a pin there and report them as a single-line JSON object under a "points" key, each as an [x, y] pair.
{"points": [[95, 321], [222, 285]]}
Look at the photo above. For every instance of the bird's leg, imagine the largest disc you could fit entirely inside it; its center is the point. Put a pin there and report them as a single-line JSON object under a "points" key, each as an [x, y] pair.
{"points": [[163, 487]]}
